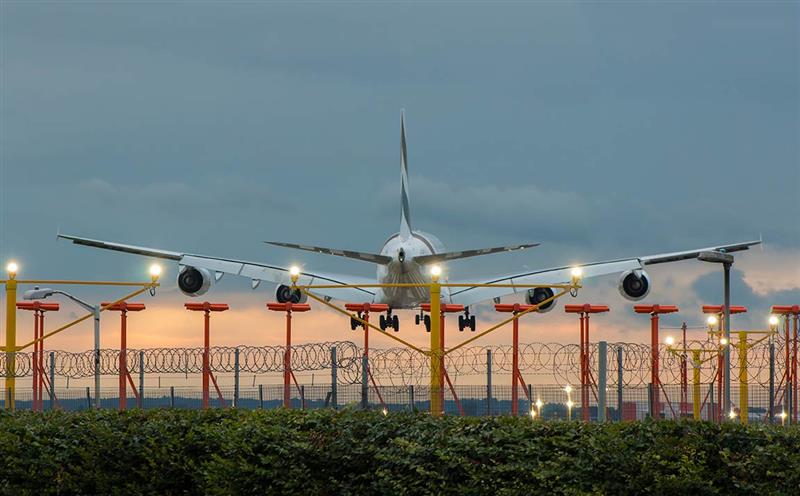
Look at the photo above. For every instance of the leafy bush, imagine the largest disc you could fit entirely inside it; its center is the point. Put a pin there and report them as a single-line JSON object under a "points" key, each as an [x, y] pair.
{"points": [[354, 452]]}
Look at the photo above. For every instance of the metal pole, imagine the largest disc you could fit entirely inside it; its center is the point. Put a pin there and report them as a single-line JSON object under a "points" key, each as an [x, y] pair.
{"points": [[515, 366], [411, 396], [141, 379], [236, 377], [650, 400], [11, 341], [287, 362], [364, 382], [743, 378], [302, 396], [619, 382], [123, 364], [436, 351], [334, 379], [35, 361], [771, 381], [261, 396], [602, 382], [88, 397], [206, 364], [96, 310], [726, 371], [52, 380], [530, 398], [488, 382], [696, 385], [172, 396], [655, 397]]}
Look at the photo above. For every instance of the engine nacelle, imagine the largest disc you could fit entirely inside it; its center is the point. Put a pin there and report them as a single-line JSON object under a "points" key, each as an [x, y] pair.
{"points": [[634, 285], [195, 282], [285, 294], [537, 295]]}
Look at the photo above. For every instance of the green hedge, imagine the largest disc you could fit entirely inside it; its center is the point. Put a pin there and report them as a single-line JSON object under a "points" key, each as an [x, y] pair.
{"points": [[357, 453]]}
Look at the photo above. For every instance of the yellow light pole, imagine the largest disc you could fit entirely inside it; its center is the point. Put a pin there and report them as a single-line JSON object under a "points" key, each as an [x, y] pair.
{"points": [[436, 349], [11, 335], [697, 362]]}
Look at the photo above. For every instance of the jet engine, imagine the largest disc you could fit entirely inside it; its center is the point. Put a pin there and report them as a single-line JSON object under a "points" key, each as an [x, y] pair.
{"points": [[195, 282], [537, 295], [634, 285], [285, 294]]}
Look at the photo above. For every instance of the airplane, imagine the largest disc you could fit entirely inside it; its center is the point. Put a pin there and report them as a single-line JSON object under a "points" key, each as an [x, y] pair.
{"points": [[405, 257]]}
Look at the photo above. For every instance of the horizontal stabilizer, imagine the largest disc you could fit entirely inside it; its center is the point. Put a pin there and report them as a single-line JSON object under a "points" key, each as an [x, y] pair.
{"points": [[454, 255], [357, 255]]}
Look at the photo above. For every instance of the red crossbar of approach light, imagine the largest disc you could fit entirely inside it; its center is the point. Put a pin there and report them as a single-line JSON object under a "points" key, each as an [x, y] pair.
{"points": [[587, 381], [207, 308], [445, 308], [364, 309], [790, 376], [124, 307], [719, 311], [288, 374], [38, 380], [516, 375], [655, 311]]}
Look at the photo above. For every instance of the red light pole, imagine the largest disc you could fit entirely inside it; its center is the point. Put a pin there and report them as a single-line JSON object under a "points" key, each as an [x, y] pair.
{"points": [[516, 375], [587, 381], [655, 311], [363, 310], [791, 353], [207, 308], [37, 366], [288, 375], [123, 308]]}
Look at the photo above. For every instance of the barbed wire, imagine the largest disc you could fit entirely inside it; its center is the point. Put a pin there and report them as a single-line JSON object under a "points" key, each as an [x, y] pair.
{"points": [[556, 362]]}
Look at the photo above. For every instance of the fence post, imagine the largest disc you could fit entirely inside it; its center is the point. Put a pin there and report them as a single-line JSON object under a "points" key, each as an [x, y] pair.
{"points": [[334, 379], [302, 396], [602, 380], [364, 384], [771, 382], [530, 398], [236, 377], [172, 396], [650, 409], [141, 379], [88, 398], [411, 396], [52, 380], [261, 396], [488, 382], [712, 414], [619, 383]]}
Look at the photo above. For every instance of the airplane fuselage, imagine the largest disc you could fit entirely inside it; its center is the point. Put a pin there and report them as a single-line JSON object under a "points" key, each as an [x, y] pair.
{"points": [[404, 270]]}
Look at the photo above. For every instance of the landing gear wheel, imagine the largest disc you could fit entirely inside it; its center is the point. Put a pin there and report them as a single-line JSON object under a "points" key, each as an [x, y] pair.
{"points": [[416, 319], [427, 323], [395, 323], [461, 323], [383, 322], [354, 324], [472, 323]]}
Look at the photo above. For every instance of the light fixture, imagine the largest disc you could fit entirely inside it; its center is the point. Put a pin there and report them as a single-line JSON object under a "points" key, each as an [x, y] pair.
{"points": [[12, 269], [670, 341], [723, 341], [533, 413], [436, 271], [732, 414], [539, 403], [570, 404], [567, 389], [774, 321], [155, 271], [712, 320]]}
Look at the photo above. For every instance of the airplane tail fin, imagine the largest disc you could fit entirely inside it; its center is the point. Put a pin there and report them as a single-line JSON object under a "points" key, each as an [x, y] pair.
{"points": [[455, 255], [405, 214]]}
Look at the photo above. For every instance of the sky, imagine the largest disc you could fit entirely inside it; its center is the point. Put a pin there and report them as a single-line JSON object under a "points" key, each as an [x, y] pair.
{"points": [[600, 129]]}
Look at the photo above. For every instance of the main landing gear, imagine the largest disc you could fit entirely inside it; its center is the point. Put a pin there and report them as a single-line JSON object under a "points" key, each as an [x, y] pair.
{"points": [[389, 321], [466, 321]]}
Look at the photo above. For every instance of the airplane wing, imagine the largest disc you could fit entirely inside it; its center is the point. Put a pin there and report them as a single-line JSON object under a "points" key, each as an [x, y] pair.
{"points": [[562, 275], [255, 271]]}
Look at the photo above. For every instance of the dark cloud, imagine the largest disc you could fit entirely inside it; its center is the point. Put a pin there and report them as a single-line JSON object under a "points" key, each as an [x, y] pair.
{"points": [[600, 130]]}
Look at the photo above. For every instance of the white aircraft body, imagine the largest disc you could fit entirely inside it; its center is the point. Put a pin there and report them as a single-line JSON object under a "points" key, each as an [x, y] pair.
{"points": [[405, 258]]}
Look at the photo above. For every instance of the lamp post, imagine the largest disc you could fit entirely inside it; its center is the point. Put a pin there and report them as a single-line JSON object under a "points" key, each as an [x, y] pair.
{"points": [[40, 294], [11, 335], [726, 259], [437, 407]]}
